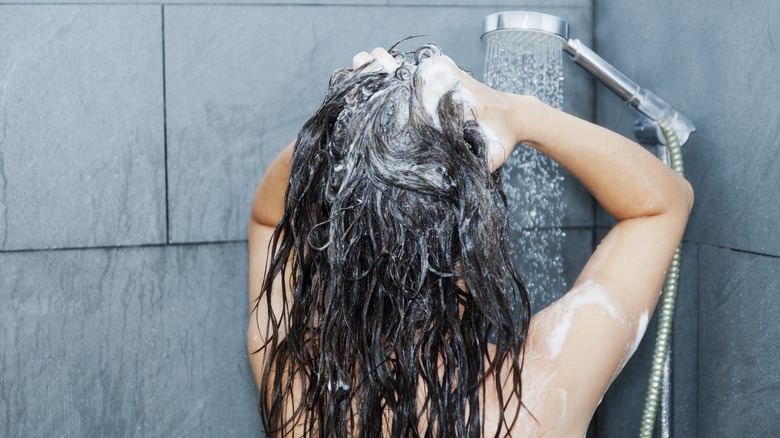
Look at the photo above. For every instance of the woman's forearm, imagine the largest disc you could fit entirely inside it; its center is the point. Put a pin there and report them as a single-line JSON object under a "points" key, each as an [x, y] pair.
{"points": [[627, 180], [268, 205]]}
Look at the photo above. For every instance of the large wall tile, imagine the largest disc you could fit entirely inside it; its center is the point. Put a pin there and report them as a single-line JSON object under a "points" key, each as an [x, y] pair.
{"points": [[357, 3], [739, 344], [508, 5], [719, 66], [131, 342], [515, 5], [240, 81], [239, 2], [82, 147]]}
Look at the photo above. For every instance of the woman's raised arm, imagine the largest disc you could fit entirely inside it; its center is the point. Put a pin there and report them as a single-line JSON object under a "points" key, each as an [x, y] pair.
{"points": [[581, 342]]}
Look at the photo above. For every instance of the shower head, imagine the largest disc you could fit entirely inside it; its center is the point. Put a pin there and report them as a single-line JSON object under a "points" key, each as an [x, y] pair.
{"points": [[525, 24], [526, 21]]}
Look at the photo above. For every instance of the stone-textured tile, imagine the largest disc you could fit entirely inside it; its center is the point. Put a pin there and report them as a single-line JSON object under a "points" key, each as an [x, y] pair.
{"points": [[229, 2], [240, 81], [445, 2], [356, 3], [131, 342], [727, 85], [620, 412], [539, 5], [82, 146], [515, 5], [534, 5], [739, 344]]}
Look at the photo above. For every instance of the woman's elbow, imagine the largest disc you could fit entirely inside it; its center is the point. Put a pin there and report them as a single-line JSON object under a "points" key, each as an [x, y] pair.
{"points": [[686, 195], [680, 201]]}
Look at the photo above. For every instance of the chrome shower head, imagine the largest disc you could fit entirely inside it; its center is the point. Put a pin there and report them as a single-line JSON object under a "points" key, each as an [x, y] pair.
{"points": [[544, 24], [522, 24]]}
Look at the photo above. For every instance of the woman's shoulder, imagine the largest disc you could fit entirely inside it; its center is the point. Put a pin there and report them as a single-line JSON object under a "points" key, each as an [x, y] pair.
{"points": [[574, 349], [547, 409]]}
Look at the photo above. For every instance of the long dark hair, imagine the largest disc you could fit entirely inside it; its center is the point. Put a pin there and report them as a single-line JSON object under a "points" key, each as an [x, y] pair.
{"points": [[388, 210]]}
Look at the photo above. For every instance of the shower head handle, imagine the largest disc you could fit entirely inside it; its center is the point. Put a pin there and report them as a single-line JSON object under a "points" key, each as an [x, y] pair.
{"points": [[601, 69], [643, 100]]}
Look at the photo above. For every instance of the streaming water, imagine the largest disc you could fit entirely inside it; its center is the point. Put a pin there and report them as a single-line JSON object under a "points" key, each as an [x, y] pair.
{"points": [[532, 63]]}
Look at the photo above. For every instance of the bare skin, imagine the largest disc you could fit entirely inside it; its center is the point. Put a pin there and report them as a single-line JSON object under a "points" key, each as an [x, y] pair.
{"points": [[579, 344]]}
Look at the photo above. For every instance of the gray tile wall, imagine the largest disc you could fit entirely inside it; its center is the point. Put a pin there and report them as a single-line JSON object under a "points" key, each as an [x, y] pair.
{"points": [[718, 63], [141, 341], [133, 136], [81, 156], [739, 370]]}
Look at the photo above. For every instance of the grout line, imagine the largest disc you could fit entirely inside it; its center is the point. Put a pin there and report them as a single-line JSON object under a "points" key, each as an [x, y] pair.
{"points": [[743, 251], [165, 129], [133, 246], [714, 245]]}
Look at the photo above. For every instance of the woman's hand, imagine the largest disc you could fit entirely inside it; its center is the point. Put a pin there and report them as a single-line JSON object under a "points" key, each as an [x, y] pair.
{"points": [[378, 60], [500, 115]]}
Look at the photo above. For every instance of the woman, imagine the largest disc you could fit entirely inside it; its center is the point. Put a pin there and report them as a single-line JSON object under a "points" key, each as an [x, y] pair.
{"points": [[380, 276]]}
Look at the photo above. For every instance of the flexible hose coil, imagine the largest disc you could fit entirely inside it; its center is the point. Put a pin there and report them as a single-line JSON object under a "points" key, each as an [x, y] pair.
{"points": [[666, 316]]}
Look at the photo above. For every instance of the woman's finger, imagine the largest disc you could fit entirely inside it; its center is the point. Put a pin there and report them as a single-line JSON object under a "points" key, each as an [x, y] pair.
{"points": [[380, 61], [379, 51], [384, 60], [360, 59]]}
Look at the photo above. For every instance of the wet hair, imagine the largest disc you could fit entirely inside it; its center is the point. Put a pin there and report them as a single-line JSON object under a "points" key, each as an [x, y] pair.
{"points": [[386, 211]]}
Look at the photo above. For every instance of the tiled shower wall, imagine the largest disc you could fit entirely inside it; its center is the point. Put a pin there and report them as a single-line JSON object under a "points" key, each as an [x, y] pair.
{"points": [[133, 137], [717, 62]]}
